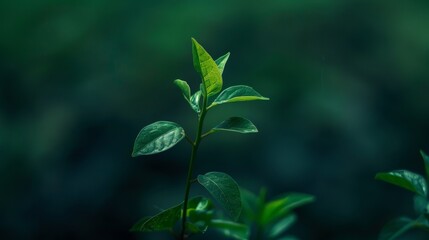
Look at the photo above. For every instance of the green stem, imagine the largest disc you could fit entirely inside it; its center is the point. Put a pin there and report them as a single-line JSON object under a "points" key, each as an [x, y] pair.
{"points": [[195, 146]]}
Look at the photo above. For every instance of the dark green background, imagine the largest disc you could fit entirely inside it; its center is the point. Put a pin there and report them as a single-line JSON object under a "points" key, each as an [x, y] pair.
{"points": [[348, 82]]}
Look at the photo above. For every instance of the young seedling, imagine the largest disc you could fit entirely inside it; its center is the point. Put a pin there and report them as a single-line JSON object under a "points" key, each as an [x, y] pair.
{"points": [[195, 215], [271, 219], [418, 185]]}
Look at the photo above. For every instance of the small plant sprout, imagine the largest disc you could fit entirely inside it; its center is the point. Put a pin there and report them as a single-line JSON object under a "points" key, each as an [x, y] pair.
{"points": [[418, 185], [195, 215]]}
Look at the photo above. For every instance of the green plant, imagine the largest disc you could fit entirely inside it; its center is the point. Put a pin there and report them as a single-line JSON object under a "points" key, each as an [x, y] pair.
{"points": [[197, 214], [418, 185], [270, 219]]}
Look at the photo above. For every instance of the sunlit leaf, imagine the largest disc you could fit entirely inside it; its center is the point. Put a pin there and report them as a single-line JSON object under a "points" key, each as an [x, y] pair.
{"points": [[207, 67], [221, 62], [231, 229], [236, 124], [405, 179], [225, 190], [278, 208], [157, 137], [395, 228], [238, 93]]}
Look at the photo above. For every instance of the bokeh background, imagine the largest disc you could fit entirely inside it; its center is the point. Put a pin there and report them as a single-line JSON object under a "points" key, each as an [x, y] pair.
{"points": [[348, 82]]}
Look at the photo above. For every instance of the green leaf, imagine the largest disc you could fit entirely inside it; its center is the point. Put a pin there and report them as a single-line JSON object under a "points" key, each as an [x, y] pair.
{"points": [[157, 137], [231, 229], [236, 124], [395, 228], [239, 93], [163, 221], [225, 190], [426, 160], [206, 66], [405, 179], [420, 204], [195, 101], [184, 87], [200, 213], [279, 208], [251, 206], [221, 62], [282, 225]]}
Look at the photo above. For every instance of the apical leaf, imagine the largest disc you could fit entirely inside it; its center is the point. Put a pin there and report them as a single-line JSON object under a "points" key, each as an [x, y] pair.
{"points": [[184, 87], [239, 93], [395, 228], [206, 66], [278, 208], [426, 161], [221, 62], [157, 137], [231, 229], [225, 190], [163, 221], [405, 179], [195, 101], [236, 124], [282, 225]]}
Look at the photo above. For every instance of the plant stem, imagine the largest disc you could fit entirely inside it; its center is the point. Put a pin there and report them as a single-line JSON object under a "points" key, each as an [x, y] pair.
{"points": [[195, 146]]}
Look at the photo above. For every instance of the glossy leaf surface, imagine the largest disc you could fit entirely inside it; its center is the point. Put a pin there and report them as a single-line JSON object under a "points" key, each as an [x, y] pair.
{"points": [[236, 124], [157, 137], [207, 67], [195, 101], [231, 229], [239, 93], [184, 87], [163, 221], [395, 228], [277, 209], [405, 179], [221, 62], [225, 190]]}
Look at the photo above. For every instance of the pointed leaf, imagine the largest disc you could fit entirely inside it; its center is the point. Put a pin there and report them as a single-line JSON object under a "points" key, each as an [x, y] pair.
{"points": [[225, 190], [236, 124], [206, 66], [239, 93], [282, 225], [279, 208], [184, 87], [405, 179], [157, 137], [395, 228], [163, 221], [221, 62], [231, 229], [426, 161]]}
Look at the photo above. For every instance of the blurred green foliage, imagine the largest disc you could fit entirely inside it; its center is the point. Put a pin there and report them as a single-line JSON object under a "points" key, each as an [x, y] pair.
{"points": [[348, 82]]}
